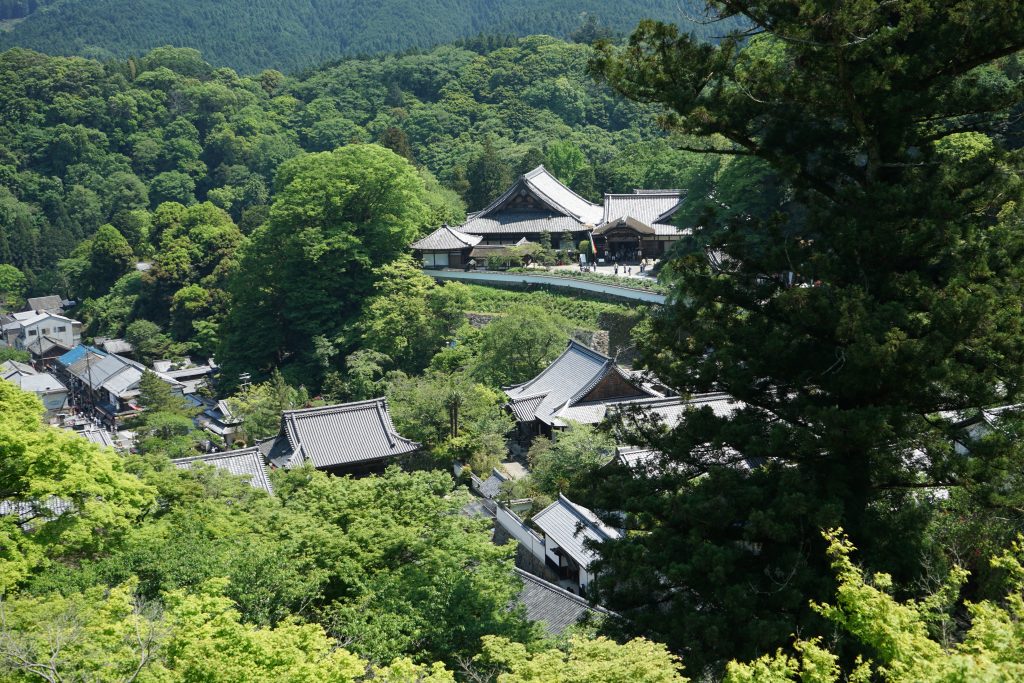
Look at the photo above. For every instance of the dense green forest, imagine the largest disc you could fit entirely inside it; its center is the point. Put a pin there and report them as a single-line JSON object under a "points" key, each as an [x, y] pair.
{"points": [[855, 281], [169, 161], [250, 36]]}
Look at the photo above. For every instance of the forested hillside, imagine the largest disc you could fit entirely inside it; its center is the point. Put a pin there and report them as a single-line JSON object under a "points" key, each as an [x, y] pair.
{"points": [[288, 34], [170, 161]]}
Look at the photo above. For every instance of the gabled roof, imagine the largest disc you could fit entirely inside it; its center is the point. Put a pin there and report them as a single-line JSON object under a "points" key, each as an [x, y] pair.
{"points": [[569, 525], [647, 211], [246, 462], [117, 374], [45, 303], [11, 368], [39, 383], [552, 606], [78, 353], [345, 434], [670, 410], [564, 385], [44, 344], [550, 193], [26, 318], [446, 238]]}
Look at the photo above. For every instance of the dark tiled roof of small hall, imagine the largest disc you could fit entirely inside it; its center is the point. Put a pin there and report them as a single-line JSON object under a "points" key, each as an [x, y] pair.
{"points": [[244, 462], [344, 434]]}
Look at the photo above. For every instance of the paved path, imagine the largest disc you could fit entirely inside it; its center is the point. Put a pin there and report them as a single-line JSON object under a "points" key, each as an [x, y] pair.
{"points": [[491, 277]]}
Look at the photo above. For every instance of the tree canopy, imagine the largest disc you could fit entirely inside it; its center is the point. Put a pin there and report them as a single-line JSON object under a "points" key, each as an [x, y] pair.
{"points": [[882, 288]]}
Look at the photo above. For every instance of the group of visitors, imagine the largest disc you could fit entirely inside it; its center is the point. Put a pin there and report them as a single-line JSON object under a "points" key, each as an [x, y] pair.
{"points": [[628, 270]]}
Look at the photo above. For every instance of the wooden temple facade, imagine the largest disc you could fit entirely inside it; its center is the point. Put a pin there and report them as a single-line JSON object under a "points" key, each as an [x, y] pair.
{"points": [[626, 228]]}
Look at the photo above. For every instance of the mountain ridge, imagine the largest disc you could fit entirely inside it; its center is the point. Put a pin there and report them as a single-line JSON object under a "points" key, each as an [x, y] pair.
{"points": [[293, 34]]}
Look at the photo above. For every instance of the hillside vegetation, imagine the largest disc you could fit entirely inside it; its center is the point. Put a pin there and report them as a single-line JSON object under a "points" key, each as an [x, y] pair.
{"points": [[170, 161], [250, 35]]}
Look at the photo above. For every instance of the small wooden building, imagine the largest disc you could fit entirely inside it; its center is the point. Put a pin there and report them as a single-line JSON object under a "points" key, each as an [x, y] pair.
{"points": [[446, 247]]}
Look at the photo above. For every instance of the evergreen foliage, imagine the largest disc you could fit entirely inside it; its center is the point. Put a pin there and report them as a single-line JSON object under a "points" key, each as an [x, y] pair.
{"points": [[881, 288], [250, 36]]}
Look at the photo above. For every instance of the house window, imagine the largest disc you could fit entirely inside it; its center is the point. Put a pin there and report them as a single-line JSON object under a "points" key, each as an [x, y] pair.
{"points": [[31, 333], [435, 260], [46, 330], [62, 328]]}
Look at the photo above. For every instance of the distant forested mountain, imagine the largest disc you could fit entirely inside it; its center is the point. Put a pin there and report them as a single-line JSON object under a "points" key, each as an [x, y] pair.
{"points": [[250, 35]]}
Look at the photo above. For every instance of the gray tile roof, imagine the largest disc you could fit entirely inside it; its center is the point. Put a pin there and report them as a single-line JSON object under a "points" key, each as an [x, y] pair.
{"points": [[670, 410], [39, 383], [491, 486], [555, 608], [647, 206], [446, 238], [247, 462], [125, 383], [558, 388], [11, 368], [568, 525], [51, 303], [521, 222], [549, 191], [116, 374], [346, 434]]}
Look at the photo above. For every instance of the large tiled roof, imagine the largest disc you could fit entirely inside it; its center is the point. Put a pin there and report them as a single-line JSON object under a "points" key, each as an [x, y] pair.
{"points": [[550, 191], [569, 525], [521, 222], [576, 368], [246, 462], [446, 238], [649, 206], [558, 388], [345, 434], [553, 607], [651, 209]]}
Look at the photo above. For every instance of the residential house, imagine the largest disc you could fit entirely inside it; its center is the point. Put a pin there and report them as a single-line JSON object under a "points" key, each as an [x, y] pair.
{"points": [[106, 384], [218, 419], [44, 335], [578, 386], [47, 304], [48, 388], [568, 531], [626, 227], [246, 462], [346, 439]]}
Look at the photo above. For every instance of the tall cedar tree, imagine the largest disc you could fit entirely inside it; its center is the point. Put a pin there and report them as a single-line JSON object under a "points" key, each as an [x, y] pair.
{"points": [[885, 288]]}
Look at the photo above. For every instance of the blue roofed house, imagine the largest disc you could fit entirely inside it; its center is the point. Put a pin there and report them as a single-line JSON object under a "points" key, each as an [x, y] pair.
{"points": [[105, 384]]}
